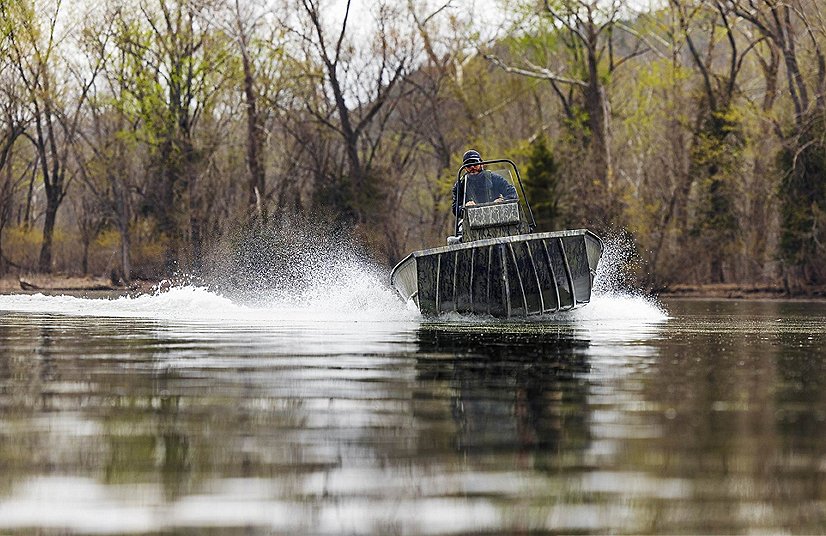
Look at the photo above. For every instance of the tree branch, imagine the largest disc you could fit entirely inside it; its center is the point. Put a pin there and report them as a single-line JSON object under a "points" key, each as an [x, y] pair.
{"points": [[538, 72]]}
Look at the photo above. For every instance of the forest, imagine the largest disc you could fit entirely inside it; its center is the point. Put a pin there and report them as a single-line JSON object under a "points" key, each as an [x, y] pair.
{"points": [[139, 137]]}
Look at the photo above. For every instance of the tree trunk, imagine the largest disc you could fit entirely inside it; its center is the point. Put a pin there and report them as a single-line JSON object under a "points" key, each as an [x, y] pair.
{"points": [[716, 268], [6, 197], [45, 262], [597, 107], [125, 245], [165, 208], [123, 230], [257, 177], [84, 263], [5, 214], [27, 217]]}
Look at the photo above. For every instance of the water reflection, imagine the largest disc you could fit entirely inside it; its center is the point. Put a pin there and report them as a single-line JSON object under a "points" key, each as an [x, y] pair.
{"points": [[709, 421], [721, 393]]}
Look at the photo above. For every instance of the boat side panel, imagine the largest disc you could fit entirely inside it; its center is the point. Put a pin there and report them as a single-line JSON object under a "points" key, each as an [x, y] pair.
{"points": [[576, 252], [498, 303], [543, 274], [404, 278], [479, 281], [427, 279], [536, 275], [594, 248], [447, 279], [528, 277], [560, 271], [514, 278], [464, 278]]}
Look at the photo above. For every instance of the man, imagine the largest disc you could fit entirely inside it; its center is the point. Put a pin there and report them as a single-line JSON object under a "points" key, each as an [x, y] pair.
{"points": [[482, 186]]}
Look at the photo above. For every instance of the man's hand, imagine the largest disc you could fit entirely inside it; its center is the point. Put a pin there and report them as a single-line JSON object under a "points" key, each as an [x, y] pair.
{"points": [[499, 199], [470, 203]]}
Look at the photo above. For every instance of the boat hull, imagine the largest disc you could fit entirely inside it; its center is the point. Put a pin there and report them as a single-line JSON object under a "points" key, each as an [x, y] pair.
{"points": [[513, 276]]}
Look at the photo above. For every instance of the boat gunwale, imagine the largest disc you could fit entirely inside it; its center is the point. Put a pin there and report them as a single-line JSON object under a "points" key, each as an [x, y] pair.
{"points": [[500, 240]]}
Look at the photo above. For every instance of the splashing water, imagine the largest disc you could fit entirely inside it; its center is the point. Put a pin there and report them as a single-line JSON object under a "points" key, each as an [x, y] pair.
{"points": [[613, 296], [303, 269]]}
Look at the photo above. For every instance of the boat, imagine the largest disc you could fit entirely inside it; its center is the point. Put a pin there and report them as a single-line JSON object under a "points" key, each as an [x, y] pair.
{"points": [[496, 264]]}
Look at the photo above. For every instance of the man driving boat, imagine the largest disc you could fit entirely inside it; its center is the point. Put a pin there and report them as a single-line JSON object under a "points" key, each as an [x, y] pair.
{"points": [[483, 186]]}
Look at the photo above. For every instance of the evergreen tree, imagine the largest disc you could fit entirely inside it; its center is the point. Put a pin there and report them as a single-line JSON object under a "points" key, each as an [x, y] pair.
{"points": [[542, 186], [803, 196]]}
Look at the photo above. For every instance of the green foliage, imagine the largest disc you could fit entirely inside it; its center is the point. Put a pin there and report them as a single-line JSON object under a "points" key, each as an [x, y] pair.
{"points": [[542, 186], [716, 157], [803, 198], [21, 245], [651, 91]]}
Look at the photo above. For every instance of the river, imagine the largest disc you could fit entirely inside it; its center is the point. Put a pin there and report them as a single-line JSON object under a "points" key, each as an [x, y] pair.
{"points": [[346, 412]]}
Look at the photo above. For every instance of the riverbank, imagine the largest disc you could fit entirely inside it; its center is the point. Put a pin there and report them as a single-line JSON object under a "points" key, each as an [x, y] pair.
{"points": [[734, 291], [14, 284]]}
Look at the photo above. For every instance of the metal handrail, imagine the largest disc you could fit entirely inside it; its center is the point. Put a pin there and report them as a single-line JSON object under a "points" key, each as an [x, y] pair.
{"points": [[531, 225]]}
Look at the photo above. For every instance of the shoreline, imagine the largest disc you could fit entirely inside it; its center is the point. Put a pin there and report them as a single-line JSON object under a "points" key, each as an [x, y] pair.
{"points": [[99, 285], [72, 284], [739, 292]]}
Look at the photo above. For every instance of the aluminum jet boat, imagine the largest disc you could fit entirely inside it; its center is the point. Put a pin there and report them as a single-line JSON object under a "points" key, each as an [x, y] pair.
{"points": [[496, 264]]}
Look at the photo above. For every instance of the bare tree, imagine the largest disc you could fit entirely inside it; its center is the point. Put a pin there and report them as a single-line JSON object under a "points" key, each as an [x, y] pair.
{"points": [[717, 138], [577, 72], [105, 173], [439, 117], [360, 91], [175, 60], [246, 21], [34, 52], [797, 28], [14, 124], [90, 218]]}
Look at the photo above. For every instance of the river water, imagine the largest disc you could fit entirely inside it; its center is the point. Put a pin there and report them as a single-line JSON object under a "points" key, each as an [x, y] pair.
{"points": [[348, 413]]}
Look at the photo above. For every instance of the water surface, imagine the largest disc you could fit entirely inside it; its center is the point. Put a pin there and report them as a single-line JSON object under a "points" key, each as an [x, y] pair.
{"points": [[188, 412]]}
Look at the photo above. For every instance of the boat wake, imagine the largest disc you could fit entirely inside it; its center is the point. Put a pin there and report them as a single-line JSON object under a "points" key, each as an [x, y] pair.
{"points": [[619, 306], [292, 270], [357, 300], [358, 297], [349, 292]]}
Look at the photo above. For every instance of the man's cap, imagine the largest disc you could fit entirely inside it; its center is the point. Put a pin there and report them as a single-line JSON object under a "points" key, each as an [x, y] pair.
{"points": [[471, 157]]}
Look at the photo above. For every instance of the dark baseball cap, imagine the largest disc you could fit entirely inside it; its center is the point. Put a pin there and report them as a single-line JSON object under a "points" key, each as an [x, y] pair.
{"points": [[471, 157]]}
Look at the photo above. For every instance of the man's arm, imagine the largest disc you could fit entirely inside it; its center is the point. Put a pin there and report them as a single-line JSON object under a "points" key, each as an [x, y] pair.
{"points": [[503, 187], [456, 201]]}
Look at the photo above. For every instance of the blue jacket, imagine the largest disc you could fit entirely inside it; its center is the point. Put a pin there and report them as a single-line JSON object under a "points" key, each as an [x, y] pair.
{"points": [[483, 187]]}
